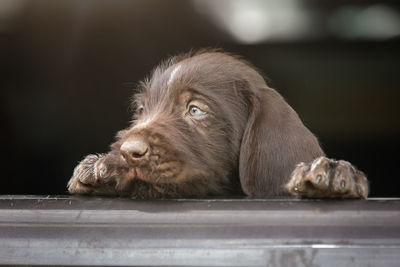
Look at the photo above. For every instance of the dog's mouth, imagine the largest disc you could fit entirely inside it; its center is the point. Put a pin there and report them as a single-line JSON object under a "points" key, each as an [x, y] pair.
{"points": [[152, 162], [153, 171]]}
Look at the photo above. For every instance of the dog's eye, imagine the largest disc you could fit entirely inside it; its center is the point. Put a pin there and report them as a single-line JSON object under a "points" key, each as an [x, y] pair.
{"points": [[196, 111], [140, 110]]}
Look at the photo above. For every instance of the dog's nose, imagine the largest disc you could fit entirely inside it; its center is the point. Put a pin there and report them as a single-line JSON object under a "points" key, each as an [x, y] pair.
{"points": [[134, 149]]}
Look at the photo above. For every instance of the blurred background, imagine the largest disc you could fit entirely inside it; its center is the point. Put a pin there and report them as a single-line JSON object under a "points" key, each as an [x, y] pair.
{"points": [[68, 69]]}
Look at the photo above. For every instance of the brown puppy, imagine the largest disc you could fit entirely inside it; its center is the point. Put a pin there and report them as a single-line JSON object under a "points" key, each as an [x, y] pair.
{"points": [[206, 124]]}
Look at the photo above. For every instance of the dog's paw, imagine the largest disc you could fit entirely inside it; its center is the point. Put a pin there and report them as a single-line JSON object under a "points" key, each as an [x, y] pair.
{"points": [[88, 176], [102, 174], [328, 178]]}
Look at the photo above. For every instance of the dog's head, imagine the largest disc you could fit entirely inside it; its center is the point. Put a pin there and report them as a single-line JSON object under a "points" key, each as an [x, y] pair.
{"points": [[210, 118]]}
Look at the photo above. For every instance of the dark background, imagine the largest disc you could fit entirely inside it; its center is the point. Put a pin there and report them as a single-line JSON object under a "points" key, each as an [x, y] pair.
{"points": [[68, 69]]}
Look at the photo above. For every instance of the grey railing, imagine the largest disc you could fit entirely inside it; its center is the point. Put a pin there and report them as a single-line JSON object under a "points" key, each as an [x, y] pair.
{"points": [[60, 230]]}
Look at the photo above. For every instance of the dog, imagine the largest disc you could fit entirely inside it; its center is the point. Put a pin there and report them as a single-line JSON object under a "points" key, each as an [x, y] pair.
{"points": [[206, 124]]}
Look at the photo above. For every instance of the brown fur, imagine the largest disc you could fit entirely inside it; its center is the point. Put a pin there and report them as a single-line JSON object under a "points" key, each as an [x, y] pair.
{"points": [[249, 141]]}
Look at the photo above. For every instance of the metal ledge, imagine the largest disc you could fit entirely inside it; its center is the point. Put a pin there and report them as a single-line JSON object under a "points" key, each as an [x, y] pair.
{"points": [[63, 230]]}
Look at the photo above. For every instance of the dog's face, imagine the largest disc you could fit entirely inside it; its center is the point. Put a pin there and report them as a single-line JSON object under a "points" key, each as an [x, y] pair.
{"points": [[207, 124], [189, 122]]}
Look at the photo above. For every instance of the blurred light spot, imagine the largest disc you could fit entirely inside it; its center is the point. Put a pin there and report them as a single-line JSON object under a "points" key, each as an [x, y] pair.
{"points": [[374, 22], [250, 26], [254, 21], [8, 10]]}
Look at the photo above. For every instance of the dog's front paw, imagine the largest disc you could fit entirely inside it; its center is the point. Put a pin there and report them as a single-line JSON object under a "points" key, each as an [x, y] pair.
{"points": [[328, 178], [88, 176]]}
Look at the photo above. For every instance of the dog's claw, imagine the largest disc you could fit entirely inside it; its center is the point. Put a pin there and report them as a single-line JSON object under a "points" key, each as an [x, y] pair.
{"points": [[342, 180]]}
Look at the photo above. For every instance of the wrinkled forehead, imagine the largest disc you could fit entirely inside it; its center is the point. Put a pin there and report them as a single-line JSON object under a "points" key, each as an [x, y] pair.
{"points": [[171, 83], [210, 75]]}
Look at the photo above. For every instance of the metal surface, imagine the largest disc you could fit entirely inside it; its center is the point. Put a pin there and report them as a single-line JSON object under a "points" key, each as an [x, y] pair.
{"points": [[237, 232]]}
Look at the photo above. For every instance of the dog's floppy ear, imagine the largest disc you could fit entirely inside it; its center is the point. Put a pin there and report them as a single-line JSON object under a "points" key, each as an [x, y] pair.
{"points": [[274, 142]]}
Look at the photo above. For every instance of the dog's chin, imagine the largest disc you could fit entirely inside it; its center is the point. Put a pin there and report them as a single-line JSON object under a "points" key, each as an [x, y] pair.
{"points": [[159, 176], [179, 174]]}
